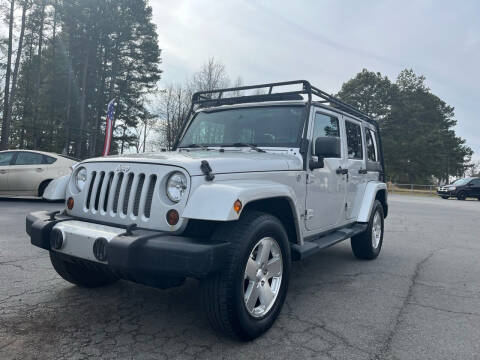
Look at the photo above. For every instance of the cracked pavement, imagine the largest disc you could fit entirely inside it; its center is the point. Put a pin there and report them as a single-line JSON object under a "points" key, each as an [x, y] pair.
{"points": [[419, 300]]}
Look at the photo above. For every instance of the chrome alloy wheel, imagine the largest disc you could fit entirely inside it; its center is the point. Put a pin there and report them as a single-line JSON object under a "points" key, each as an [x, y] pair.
{"points": [[263, 277], [376, 230]]}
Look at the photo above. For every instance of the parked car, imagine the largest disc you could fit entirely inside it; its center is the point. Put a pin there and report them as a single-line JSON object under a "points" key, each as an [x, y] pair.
{"points": [[28, 172], [461, 189], [254, 183]]}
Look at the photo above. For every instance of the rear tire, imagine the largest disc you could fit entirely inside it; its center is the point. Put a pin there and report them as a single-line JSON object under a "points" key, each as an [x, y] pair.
{"points": [[245, 297], [368, 244], [445, 197], [79, 274], [461, 195]]}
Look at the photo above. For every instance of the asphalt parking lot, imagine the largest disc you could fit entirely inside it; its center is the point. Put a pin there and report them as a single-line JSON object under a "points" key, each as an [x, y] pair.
{"points": [[419, 300]]}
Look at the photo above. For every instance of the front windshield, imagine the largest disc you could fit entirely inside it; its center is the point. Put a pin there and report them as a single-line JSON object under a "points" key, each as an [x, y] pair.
{"points": [[461, 182], [274, 126]]}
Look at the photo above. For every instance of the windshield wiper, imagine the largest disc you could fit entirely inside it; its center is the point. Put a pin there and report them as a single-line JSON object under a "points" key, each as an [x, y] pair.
{"points": [[251, 146], [194, 146]]}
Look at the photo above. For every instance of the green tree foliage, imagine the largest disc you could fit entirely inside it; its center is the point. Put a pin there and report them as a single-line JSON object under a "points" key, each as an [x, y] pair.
{"points": [[77, 56], [417, 126]]}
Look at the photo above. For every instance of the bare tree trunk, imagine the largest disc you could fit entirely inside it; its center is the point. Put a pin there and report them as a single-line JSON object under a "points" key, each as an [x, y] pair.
{"points": [[54, 135], [78, 152], [68, 110], [39, 74], [100, 104], [5, 124], [17, 66], [145, 136]]}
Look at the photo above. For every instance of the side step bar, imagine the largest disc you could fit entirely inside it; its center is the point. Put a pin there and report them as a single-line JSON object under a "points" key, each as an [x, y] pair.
{"points": [[300, 252]]}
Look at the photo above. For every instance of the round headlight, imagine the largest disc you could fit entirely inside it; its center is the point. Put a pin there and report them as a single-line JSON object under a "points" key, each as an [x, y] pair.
{"points": [[176, 186], [80, 178]]}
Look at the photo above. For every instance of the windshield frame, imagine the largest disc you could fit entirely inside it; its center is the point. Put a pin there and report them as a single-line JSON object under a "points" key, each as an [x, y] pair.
{"points": [[301, 133]]}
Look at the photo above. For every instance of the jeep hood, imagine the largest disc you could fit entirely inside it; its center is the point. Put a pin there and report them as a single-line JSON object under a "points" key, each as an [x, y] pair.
{"points": [[220, 162]]}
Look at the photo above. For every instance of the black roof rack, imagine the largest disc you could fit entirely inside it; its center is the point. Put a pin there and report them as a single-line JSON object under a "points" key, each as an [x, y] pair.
{"points": [[216, 97]]}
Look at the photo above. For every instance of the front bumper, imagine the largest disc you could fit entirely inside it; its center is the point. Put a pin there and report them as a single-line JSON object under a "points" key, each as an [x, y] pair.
{"points": [[445, 193], [139, 255]]}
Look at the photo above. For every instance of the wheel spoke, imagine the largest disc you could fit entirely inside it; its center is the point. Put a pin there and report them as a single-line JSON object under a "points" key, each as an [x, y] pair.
{"points": [[266, 294], [251, 296], [264, 251], [274, 267], [251, 269]]}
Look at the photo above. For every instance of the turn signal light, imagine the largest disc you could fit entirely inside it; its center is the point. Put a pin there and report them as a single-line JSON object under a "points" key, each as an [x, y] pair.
{"points": [[70, 203], [172, 217], [237, 206]]}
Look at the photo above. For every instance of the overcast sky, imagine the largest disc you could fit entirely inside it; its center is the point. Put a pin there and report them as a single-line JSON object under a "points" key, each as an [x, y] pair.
{"points": [[328, 42]]}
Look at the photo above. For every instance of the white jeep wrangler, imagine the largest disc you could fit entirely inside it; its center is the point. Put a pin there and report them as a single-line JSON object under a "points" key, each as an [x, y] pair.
{"points": [[254, 182]]}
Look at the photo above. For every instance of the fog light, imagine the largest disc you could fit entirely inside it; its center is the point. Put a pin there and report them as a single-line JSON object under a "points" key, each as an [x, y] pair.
{"points": [[100, 249], [172, 217], [70, 203], [56, 239]]}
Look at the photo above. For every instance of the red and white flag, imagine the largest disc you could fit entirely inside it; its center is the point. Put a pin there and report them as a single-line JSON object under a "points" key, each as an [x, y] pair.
{"points": [[109, 128]]}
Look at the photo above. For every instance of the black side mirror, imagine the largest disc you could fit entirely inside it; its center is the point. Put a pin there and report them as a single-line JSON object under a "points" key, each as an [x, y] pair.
{"points": [[325, 147]]}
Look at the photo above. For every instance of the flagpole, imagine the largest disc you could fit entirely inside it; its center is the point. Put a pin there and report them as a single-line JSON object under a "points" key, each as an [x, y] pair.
{"points": [[108, 128]]}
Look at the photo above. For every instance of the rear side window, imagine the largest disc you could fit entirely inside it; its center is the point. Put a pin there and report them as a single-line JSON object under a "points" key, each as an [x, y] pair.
{"points": [[371, 140], [49, 160], [354, 140], [29, 158], [325, 125], [5, 158], [475, 182]]}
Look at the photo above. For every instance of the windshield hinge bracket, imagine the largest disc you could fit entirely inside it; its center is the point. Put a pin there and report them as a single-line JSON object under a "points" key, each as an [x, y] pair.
{"points": [[207, 170]]}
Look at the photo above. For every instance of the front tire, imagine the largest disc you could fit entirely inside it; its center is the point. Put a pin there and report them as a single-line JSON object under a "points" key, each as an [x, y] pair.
{"points": [[445, 197], [79, 274], [245, 297], [368, 244], [461, 195]]}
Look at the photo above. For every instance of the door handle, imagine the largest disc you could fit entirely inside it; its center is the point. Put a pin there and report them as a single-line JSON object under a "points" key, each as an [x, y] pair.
{"points": [[3, 171], [362, 171], [342, 171], [39, 169]]}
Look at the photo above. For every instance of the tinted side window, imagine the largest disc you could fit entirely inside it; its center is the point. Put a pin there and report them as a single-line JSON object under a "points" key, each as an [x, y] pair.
{"points": [[371, 142], [49, 160], [325, 125], [5, 158], [354, 140], [28, 158]]}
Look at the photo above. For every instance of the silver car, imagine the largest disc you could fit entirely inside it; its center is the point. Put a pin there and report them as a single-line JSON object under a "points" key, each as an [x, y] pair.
{"points": [[28, 172]]}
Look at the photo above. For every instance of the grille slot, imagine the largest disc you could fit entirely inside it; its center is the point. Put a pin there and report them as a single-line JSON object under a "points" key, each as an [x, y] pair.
{"points": [[107, 191], [117, 193], [138, 193], [148, 202], [90, 188], [100, 185], [127, 193]]}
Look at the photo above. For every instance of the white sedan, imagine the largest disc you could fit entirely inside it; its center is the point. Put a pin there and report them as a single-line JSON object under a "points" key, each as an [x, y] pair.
{"points": [[28, 172]]}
